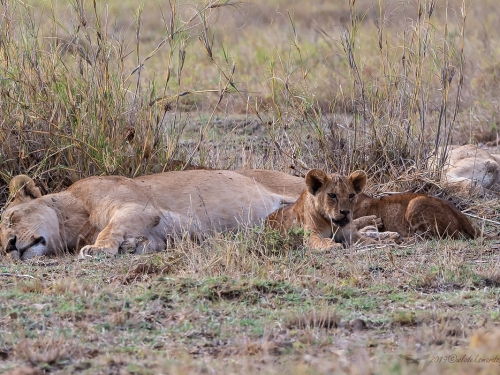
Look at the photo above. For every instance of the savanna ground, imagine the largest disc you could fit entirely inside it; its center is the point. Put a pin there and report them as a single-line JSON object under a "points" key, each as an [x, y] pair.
{"points": [[90, 88]]}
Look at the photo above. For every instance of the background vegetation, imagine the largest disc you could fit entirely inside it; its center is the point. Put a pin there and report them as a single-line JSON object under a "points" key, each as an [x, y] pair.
{"points": [[121, 87], [118, 87]]}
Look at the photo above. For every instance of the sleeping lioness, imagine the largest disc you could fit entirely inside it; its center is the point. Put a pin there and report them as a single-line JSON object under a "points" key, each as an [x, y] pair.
{"points": [[470, 170], [324, 212], [112, 214]]}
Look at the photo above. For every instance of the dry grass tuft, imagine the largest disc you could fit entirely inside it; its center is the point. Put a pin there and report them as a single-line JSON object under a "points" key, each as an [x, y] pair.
{"points": [[85, 95], [145, 269], [31, 286], [70, 285], [45, 351], [316, 319], [25, 370], [485, 341]]}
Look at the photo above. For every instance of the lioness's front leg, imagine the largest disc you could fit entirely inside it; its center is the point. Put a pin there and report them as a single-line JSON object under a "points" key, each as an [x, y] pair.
{"points": [[108, 242], [126, 225]]}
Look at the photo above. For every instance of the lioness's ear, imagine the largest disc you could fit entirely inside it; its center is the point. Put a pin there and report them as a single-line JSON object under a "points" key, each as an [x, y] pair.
{"points": [[315, 179], [23, 189], [358, 180]]}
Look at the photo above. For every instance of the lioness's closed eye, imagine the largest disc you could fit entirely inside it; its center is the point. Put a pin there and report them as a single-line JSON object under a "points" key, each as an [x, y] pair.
{"points": [[324, 210]]}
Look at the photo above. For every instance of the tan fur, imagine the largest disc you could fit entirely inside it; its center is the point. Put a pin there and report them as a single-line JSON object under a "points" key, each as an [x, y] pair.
{"points": [[112, 214], [23, 189], [470, 170], [410, 214], [286, 184], [178, 165], [324, 211]]}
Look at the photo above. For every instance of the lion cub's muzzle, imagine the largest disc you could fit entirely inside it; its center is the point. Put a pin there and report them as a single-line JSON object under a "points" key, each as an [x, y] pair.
{"points": [[342, 219]]}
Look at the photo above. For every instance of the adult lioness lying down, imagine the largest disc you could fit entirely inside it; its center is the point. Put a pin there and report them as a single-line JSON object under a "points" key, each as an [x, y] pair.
{"points": [[470, 170], [112, 214]]}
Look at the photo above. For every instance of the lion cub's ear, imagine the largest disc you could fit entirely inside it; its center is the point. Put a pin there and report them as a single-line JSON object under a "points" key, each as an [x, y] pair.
{"points": [[358, 180], [23, 189], [315, 179]]}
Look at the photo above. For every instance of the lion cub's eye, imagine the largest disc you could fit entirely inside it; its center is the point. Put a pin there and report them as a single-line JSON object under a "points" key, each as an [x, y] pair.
{"points": [[351, 196], [333, 196]]}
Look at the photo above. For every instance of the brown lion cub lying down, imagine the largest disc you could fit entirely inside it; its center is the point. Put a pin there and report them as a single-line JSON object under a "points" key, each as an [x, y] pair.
{"points": [[410, 214], [324, 211]]}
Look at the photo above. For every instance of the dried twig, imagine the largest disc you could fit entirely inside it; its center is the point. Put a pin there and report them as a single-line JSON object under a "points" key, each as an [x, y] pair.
{"points": [[482, 218], [391, 259]]}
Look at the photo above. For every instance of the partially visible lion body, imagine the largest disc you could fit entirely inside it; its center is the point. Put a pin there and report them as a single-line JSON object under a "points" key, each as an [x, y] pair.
{"points": [[410, 214], [115, 213], [470, 169], [324, 212]]}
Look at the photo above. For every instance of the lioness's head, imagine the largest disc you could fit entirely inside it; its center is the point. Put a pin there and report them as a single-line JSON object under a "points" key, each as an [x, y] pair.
{"points": [[29, 226], [333, 196]]}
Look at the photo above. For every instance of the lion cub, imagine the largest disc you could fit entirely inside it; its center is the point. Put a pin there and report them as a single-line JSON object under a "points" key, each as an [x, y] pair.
{"points": [[324, 211], [410, 213]]}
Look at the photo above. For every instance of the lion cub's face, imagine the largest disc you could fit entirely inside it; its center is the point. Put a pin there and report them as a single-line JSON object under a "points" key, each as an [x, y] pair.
{"points": [[333, 196]]}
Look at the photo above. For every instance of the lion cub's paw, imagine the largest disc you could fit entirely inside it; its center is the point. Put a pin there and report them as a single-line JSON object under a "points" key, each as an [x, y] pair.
{"points": [[369, 229], [396, 237], [90, 251], [389, 237], [365, 221], [324, 244], [383, 237]]}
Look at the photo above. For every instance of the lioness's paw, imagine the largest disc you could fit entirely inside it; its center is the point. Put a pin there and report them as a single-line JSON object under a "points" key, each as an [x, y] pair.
{"points": [[90, 251]]}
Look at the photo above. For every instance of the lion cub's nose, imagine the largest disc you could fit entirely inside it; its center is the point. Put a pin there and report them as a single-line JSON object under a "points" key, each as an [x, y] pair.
{"points": [[11, 245], [345, 213]]}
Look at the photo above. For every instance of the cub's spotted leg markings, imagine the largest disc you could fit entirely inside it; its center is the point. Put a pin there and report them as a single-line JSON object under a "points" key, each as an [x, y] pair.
{"points": [[383, 237], [370, 228]]}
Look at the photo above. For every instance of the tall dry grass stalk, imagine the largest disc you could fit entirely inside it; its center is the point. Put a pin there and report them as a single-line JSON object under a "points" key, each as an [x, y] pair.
{"points": [[69, 106], [389, 124], [78, 98]]}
